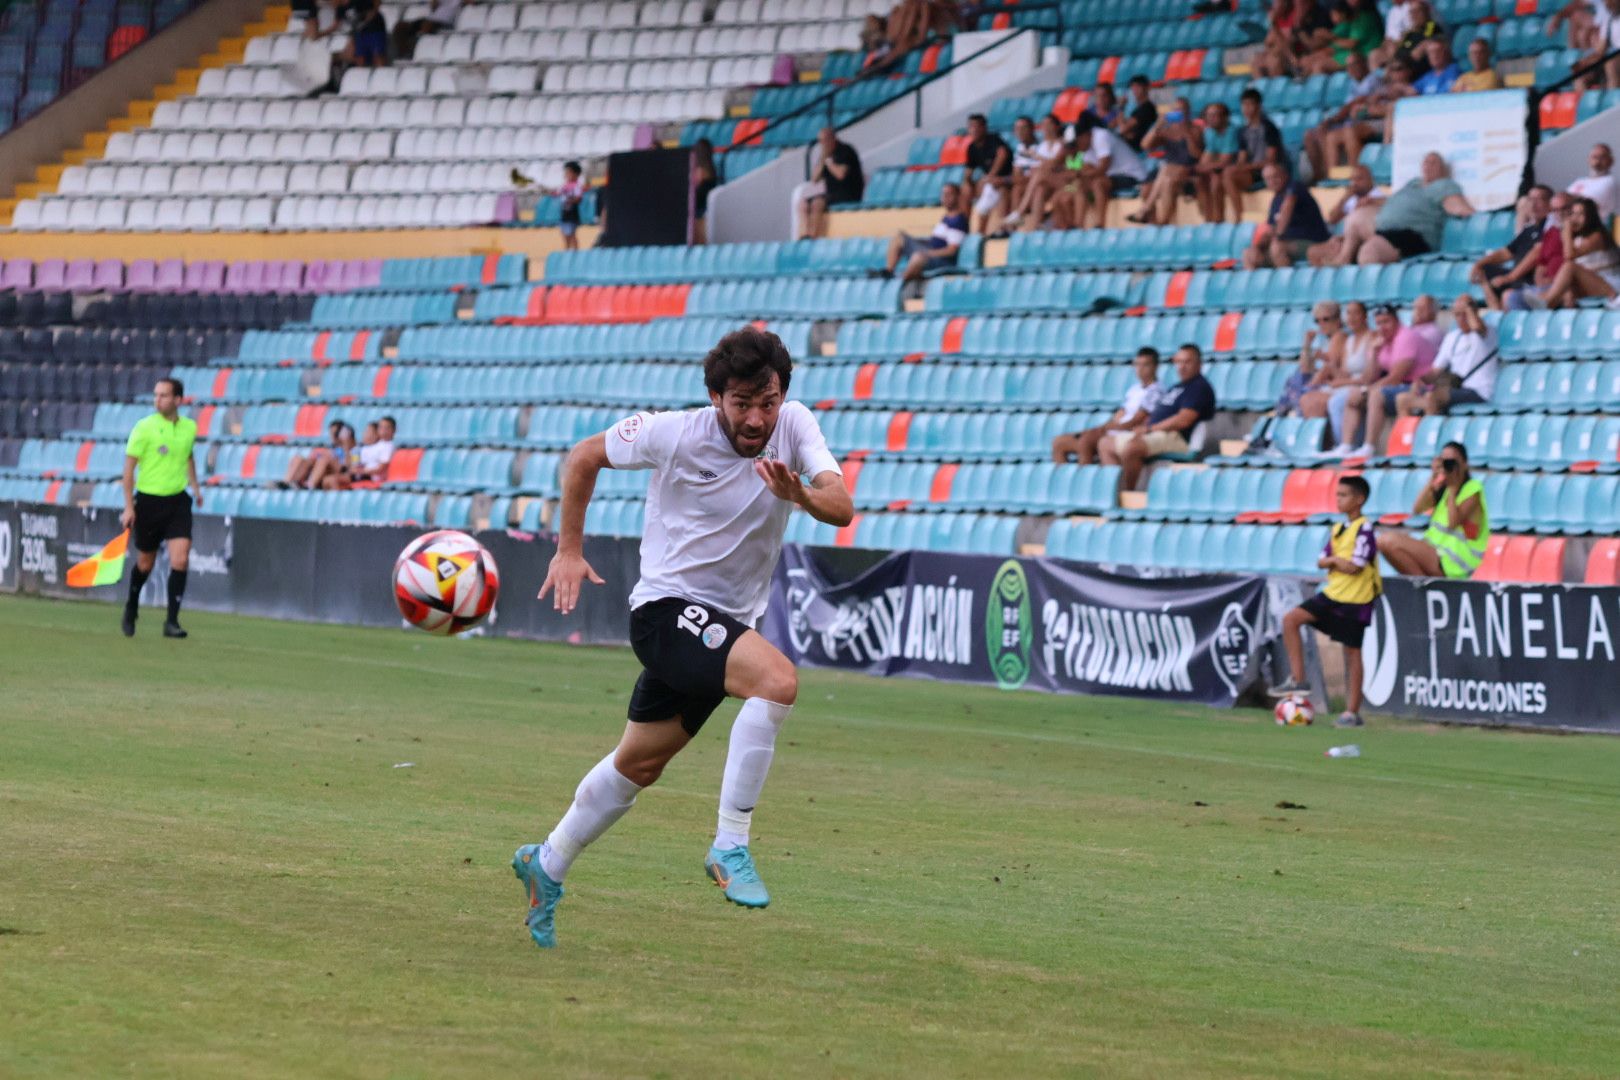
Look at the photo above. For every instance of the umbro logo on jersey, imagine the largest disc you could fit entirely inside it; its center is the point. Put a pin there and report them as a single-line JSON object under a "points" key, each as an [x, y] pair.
{"points": [[705, 474]]}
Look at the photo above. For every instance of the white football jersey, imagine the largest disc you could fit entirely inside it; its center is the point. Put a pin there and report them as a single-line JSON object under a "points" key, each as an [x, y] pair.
{"points": [[713, 529]]}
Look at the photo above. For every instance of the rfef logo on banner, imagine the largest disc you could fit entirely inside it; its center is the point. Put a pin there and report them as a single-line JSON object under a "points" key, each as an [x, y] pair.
{"points": [[1008, 626], [1231, 646]]}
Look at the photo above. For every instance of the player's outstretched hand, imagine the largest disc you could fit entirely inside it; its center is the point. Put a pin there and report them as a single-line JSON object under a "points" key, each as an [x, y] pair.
{"points": [[563, 579], [783, 481]]}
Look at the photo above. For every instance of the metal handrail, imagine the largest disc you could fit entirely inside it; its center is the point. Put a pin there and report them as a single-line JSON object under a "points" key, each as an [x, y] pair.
{"points": [[888, 66]]}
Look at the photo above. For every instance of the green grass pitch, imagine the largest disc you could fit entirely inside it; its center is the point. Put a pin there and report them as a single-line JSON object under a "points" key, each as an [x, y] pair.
{"points": [[212, 865]]}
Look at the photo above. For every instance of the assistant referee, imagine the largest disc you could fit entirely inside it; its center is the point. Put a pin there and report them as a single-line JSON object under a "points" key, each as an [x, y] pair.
{"points": [[157, 470]]}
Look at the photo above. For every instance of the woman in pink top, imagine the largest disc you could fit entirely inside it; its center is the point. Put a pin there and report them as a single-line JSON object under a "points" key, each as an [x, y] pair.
{"points": [[1408, 352]]}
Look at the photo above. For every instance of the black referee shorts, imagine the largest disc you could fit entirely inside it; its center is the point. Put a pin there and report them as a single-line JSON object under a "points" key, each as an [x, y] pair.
{"points": [[682, 645], [159, 518]]}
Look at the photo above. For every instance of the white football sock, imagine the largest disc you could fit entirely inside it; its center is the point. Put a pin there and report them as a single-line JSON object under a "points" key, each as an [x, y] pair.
{"points": [[601, 799], [753, 744]]}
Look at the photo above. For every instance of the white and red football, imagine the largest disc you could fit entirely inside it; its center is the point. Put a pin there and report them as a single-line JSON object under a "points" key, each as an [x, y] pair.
{"points": [[445, 582]]}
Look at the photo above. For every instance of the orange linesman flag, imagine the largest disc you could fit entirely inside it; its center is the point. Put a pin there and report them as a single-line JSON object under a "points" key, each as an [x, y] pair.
{"points": [[105, 567]]}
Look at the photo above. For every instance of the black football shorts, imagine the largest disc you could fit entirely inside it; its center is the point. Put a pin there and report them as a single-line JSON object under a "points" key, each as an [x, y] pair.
{"points": [[682, 645]]}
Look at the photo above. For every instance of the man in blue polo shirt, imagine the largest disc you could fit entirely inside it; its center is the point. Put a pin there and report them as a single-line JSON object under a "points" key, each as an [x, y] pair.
{"points": [[1182, 408]]}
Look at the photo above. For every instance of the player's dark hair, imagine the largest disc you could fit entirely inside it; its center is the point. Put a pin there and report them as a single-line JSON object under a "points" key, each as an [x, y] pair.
{"points": [[747, 356], [176, 387], [1357, 484]]}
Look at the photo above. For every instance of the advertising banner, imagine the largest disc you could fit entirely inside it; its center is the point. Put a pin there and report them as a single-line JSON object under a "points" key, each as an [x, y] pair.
{"points": [[1021, 623], [1483, 136], [1532, 655], [8, 547]]}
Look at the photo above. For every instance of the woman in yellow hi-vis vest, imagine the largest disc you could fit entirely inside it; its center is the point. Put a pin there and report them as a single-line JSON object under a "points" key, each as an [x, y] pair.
{"points": [[1459, 523]]}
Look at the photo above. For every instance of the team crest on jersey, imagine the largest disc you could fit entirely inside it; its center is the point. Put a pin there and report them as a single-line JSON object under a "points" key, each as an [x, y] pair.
{"points": [[163, 450], [629, 428], [769, 453], [714, 635]]}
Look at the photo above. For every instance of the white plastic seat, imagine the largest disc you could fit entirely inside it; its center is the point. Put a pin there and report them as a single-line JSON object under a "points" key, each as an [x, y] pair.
{"points": [[269, 82], [187, 180], [100, 180], [212, 83], [318, 146], [574, 45], [215, 180], [221, 114], [347, 210], [261, 146], [392, 112], [257, 51], [305, 176], [141, 215], [473, 17], [450, 112], [418, 113], [272, 179], [204, 146], [501, 17], [289, 146], [232, 147], [242, 179], [277, 114], [513, 78], [444, 82], [363, 114], [334, 177], [73, 180], [227, 215], [238, 82], [376, 146], [357, 81], [413, 80], [171, 213], [518, 46], [284, 49], [167, 114], [287, 211], [53, 214], [458, 48], [198, 215], [430, 48], [110, 215], [487, 48], [257, 214]]}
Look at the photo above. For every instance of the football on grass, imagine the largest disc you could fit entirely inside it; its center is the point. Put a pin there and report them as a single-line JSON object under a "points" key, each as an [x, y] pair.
{"points": [[1293, 712], [445, 582]]}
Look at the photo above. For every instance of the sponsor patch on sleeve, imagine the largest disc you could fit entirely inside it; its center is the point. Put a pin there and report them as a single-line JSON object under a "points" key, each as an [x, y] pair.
{"points": [[629, 429]]}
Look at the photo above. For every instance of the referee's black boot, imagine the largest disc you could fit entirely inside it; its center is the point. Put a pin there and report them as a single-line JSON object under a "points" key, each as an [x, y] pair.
{"points": [[129, 621], [172, 629]]}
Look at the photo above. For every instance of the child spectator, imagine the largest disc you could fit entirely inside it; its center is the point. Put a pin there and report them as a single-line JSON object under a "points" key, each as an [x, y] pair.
{"points": [[1344, 607], [570, 195]]}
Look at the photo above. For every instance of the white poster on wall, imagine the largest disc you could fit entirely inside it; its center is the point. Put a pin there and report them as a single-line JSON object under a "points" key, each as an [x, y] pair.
{"points": [[974, 80], [1482, 135]]}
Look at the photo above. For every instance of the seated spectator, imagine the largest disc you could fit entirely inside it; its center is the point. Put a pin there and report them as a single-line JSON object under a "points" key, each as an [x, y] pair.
{"points": [[1131, 416], [1298, 28], [1459, 528], [1591, 266], [936, 251], [1525, 284], [1397, 21], [1169, 426], [368, 34], [374, 458], [1294, 222], [1370, 122], [1598, 185], [440, 19], [1443, 71], [1323, 146], [1180, 143], [1481, 75], [834, 180], [1220, 154], [1139, 116], [1410, 222], [1346, 371], [1424, 27], [1361, 191], [987, 175], [1496, 265], [300, 467], [705, 178], [1464, 371], [1407, 354], [1034, 182], [1102, 107], [341, 470], [1099, 166], [875, 46], [1357, 30], [572, 192], [1320, 357], [1259, 143]]}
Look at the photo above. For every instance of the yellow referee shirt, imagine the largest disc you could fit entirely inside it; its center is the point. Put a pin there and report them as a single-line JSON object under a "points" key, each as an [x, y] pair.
{"points": [[162, 450]]}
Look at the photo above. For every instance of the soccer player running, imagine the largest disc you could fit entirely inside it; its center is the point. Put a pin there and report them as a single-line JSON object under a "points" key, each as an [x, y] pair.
{"points": [[724, 481], [157, 470]]}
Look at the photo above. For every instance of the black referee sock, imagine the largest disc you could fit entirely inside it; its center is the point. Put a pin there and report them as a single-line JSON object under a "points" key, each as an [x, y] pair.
{"points": [[177, 589], [137, 581]]}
